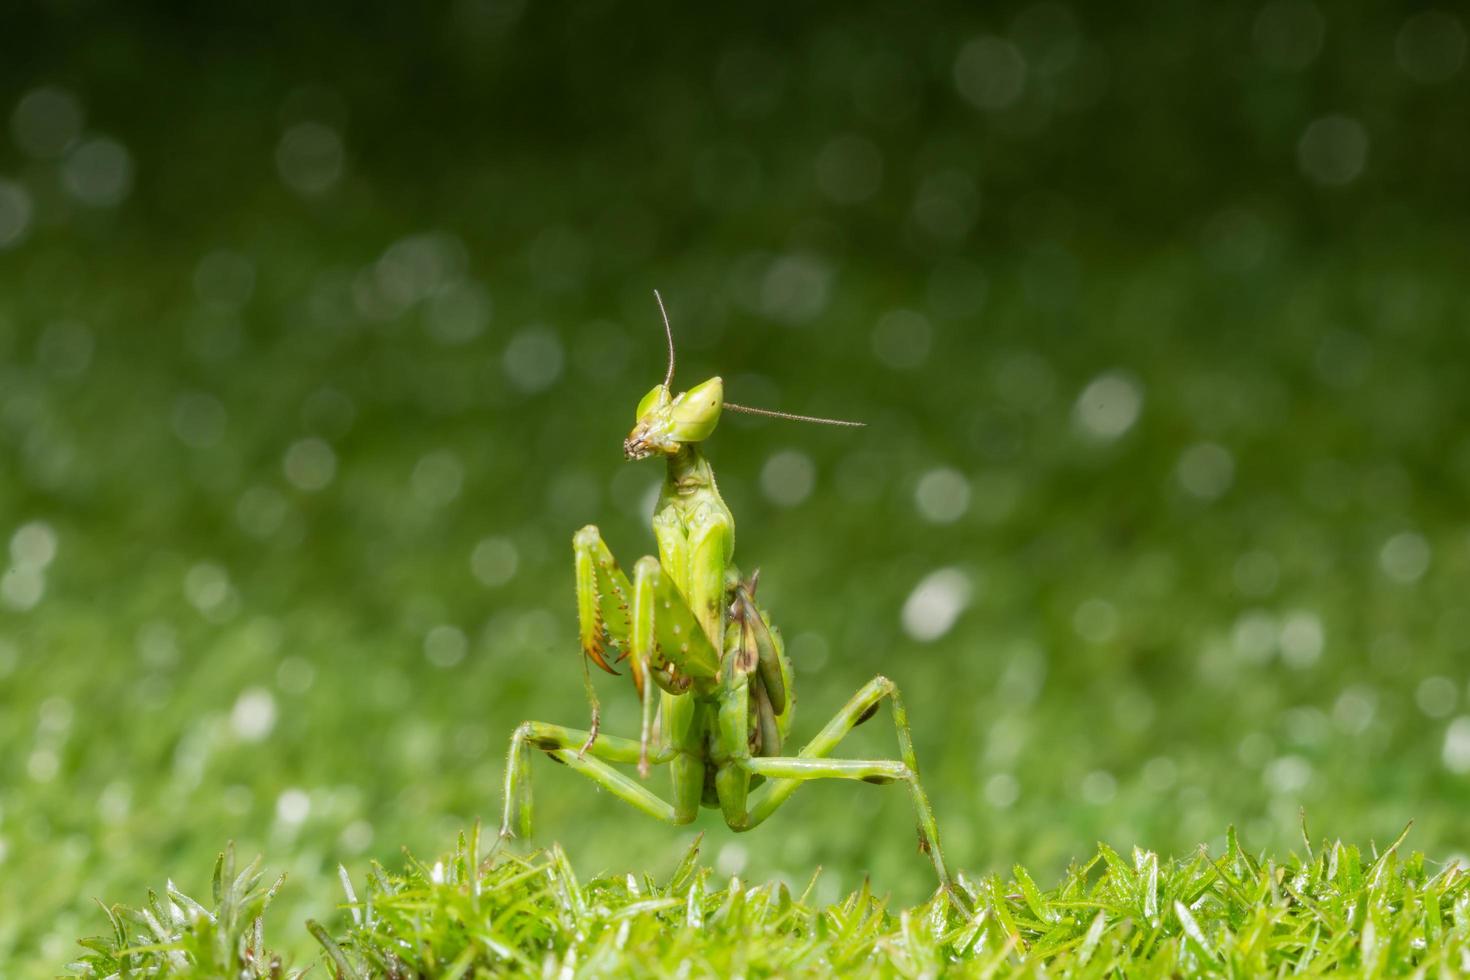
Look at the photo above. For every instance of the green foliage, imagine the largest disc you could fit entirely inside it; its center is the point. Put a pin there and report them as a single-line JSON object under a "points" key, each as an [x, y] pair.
{"points": [[1334, 909], [177, 936]]}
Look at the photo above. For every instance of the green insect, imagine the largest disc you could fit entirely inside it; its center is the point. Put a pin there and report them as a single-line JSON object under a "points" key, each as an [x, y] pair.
{"points": [[710, 668]]}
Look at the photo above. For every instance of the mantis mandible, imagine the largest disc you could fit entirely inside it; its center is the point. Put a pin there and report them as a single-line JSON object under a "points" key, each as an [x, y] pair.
{"points": [[711, 672]]}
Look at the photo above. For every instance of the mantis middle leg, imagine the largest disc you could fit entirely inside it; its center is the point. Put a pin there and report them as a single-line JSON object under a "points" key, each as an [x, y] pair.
{"points": [[788, 773], [585, 753]]}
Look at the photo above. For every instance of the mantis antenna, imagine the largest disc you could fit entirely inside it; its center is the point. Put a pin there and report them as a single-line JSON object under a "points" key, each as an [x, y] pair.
{"points": [[794, 418], [669, 378], [668, 332]]}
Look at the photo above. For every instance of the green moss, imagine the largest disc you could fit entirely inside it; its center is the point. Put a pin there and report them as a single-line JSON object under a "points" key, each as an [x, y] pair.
{"points": [[1331, 909]]}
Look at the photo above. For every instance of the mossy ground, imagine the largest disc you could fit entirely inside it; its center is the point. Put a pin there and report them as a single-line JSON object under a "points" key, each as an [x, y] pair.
{"points": [[1330, 909]]}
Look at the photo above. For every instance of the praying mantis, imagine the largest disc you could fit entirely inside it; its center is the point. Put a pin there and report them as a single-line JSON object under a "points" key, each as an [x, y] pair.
{"points": [[710, 669]]}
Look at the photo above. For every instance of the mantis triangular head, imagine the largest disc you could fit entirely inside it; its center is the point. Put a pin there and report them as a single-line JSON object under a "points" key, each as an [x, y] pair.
{"points": [[666, 422]]}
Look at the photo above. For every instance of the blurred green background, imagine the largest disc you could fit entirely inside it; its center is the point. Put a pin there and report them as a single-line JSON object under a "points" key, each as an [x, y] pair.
{"points": [[321, 326]]}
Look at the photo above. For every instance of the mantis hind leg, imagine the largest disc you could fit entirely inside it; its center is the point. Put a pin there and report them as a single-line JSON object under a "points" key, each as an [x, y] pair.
{"points": [[788, 773], [586, 753]]}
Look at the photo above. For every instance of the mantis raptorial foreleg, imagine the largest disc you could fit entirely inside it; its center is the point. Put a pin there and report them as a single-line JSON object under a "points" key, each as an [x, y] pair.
{"points": [[603, 595], [648, 620], [584, 752], [788, 773]]}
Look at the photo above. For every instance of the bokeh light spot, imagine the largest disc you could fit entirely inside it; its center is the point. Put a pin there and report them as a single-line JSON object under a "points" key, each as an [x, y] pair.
{"points": [[293, 806], [33, 545], [1206, 470], [356, 837], [1095, 620], [310, 158], [254, 714], [494, 561], [1302, 639], [901, 339], [458, 313], [199, 420], [787, 478], [533, 359], [1099, 787], [157, 643], [115, 802], [22, 587], [1405, 557], [224, 279], [1437, 696], [1355, 708], [942, 495], [731, 859], [15, 214], [946, 205], [1254, 636], [849, 169], [1456, 751], [1333, 150], [1256, 573], [1431, 46], [437, 478], [46, 121], [990, 73], [1002, 790], [935, 603], [65, 348], [99, 173], [1288, 775], [1108, 406], [416, 266], [295, 675], [43, 764], [445, 646], [808, 651], [207, 587], [1160, 773], [261, 511], [310, 464], [795, 288]]}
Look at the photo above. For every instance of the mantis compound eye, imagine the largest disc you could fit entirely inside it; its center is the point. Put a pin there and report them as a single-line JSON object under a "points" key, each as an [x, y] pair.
{"points": [[696, 412], [654, 401]]}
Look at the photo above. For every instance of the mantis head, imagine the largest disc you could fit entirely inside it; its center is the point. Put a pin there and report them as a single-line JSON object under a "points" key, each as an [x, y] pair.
{"points": [[667, 422]]}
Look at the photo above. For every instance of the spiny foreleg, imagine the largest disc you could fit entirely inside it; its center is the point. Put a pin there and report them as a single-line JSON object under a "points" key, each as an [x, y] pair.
{"points": [[755, 647], [667, 649], [603, 597]]}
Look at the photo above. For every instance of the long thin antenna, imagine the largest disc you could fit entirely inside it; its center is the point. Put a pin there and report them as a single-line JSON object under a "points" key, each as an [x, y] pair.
{"points": [[794, 418], [668, 332]]}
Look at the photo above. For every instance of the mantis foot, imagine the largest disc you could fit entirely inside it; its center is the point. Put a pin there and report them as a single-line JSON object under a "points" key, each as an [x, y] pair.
{"points": [[592, 730]]}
